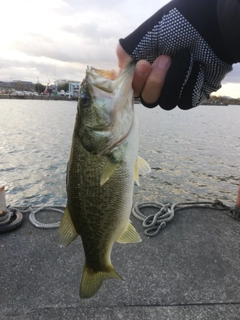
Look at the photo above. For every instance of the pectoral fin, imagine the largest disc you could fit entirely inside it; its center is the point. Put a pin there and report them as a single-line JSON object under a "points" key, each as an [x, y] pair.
{"points": [[141, 166], [108, 170], [129, 235], [67, 233]]}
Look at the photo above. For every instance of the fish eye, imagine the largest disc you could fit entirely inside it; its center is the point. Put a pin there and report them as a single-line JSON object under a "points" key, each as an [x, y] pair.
{"points": [[84, 98]]}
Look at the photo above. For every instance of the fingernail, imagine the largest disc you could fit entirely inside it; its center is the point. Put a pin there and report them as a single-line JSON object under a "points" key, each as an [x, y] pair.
{"points": [[163, 62]]}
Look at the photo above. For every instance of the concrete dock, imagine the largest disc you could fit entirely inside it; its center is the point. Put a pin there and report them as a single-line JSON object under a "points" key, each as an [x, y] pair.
{"points": [[191, 270]]}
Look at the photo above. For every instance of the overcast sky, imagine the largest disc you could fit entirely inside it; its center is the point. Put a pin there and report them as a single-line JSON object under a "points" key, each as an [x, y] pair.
{"points": [[56, 39]]}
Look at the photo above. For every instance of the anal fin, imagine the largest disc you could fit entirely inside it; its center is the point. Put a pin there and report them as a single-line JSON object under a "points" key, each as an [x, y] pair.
{"points": [[129, 235]]}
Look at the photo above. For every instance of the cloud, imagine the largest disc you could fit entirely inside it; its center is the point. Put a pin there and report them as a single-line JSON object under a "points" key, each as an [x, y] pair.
{"points": [[59, 38], [234, 75]]}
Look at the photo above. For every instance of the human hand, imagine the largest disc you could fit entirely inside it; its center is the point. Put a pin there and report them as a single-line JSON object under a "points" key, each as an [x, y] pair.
{"points": [[199, 58], [148, 79]]}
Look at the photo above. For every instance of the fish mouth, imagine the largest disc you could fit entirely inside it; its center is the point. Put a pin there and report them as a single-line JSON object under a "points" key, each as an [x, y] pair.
{"points": [[107, 74], [110, 131]]}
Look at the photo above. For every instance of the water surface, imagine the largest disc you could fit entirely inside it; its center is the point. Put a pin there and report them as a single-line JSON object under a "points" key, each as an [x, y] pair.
{"points": [[194, 155]]}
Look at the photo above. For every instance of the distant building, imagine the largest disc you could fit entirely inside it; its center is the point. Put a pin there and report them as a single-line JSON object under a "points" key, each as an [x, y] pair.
{"points": [[4, 85], [17, 85], [73, 88]]}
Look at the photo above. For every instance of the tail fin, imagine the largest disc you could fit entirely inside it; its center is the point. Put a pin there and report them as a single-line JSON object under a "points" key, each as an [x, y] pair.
{"points": [[92, 281]]}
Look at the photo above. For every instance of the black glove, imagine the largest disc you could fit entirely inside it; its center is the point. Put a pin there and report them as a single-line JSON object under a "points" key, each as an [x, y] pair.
{"points": [[188, 31]]}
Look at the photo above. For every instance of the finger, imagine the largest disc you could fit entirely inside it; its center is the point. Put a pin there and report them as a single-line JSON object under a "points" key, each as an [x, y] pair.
{"points": [[155, 80], [175, 80], [192, 93], [123, 57], [141, 73]]}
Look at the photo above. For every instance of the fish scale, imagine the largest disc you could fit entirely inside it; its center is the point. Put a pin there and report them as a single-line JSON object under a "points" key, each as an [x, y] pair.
{"points": [[102, 167]]}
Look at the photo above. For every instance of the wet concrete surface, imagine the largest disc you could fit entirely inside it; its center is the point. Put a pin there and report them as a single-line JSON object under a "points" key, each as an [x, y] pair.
{"points": [[191, 270]]}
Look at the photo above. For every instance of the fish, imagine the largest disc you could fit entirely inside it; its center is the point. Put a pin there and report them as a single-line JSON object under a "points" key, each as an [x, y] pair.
{"points": [[101, 171]]}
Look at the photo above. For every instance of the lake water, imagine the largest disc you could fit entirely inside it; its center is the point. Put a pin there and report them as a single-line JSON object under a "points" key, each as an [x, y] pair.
{"points": [[194, 155]]}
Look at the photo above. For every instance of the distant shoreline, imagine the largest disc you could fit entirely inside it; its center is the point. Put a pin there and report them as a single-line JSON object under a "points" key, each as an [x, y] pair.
{"points": [[66, 98], [40, 97]]}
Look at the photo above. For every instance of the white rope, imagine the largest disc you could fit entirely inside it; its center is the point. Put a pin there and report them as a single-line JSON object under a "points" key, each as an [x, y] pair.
{"points": [[153, 223], [32, 215], [37, 224], [6, 218]]}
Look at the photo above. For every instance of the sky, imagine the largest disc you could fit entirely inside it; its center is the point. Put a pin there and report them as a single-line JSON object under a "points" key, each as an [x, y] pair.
{"points": [[49, 40]]}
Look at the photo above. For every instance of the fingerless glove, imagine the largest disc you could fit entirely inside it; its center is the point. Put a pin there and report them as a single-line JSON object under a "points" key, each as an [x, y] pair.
{"points": [[188, 31]]}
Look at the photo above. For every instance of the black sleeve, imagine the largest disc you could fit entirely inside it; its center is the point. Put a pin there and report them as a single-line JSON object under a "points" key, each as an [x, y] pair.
{"points": [[229, 23]]}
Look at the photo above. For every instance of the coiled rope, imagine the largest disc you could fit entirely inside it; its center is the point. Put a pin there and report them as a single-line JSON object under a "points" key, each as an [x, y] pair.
{"points": [[153, 223], [33, 220], [32, 215], [6, 218]]}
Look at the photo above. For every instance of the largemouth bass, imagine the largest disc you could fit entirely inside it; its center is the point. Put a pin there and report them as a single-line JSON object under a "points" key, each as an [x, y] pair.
{"points": [[102, 167]]}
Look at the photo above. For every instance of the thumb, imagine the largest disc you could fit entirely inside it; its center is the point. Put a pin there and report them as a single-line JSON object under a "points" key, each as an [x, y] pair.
{"points": [[123, 57]]}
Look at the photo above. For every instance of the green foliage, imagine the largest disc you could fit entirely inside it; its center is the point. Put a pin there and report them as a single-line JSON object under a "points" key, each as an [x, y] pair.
{"points": [[63, 86], [39, 88], [20, 85], [221, 100]]}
